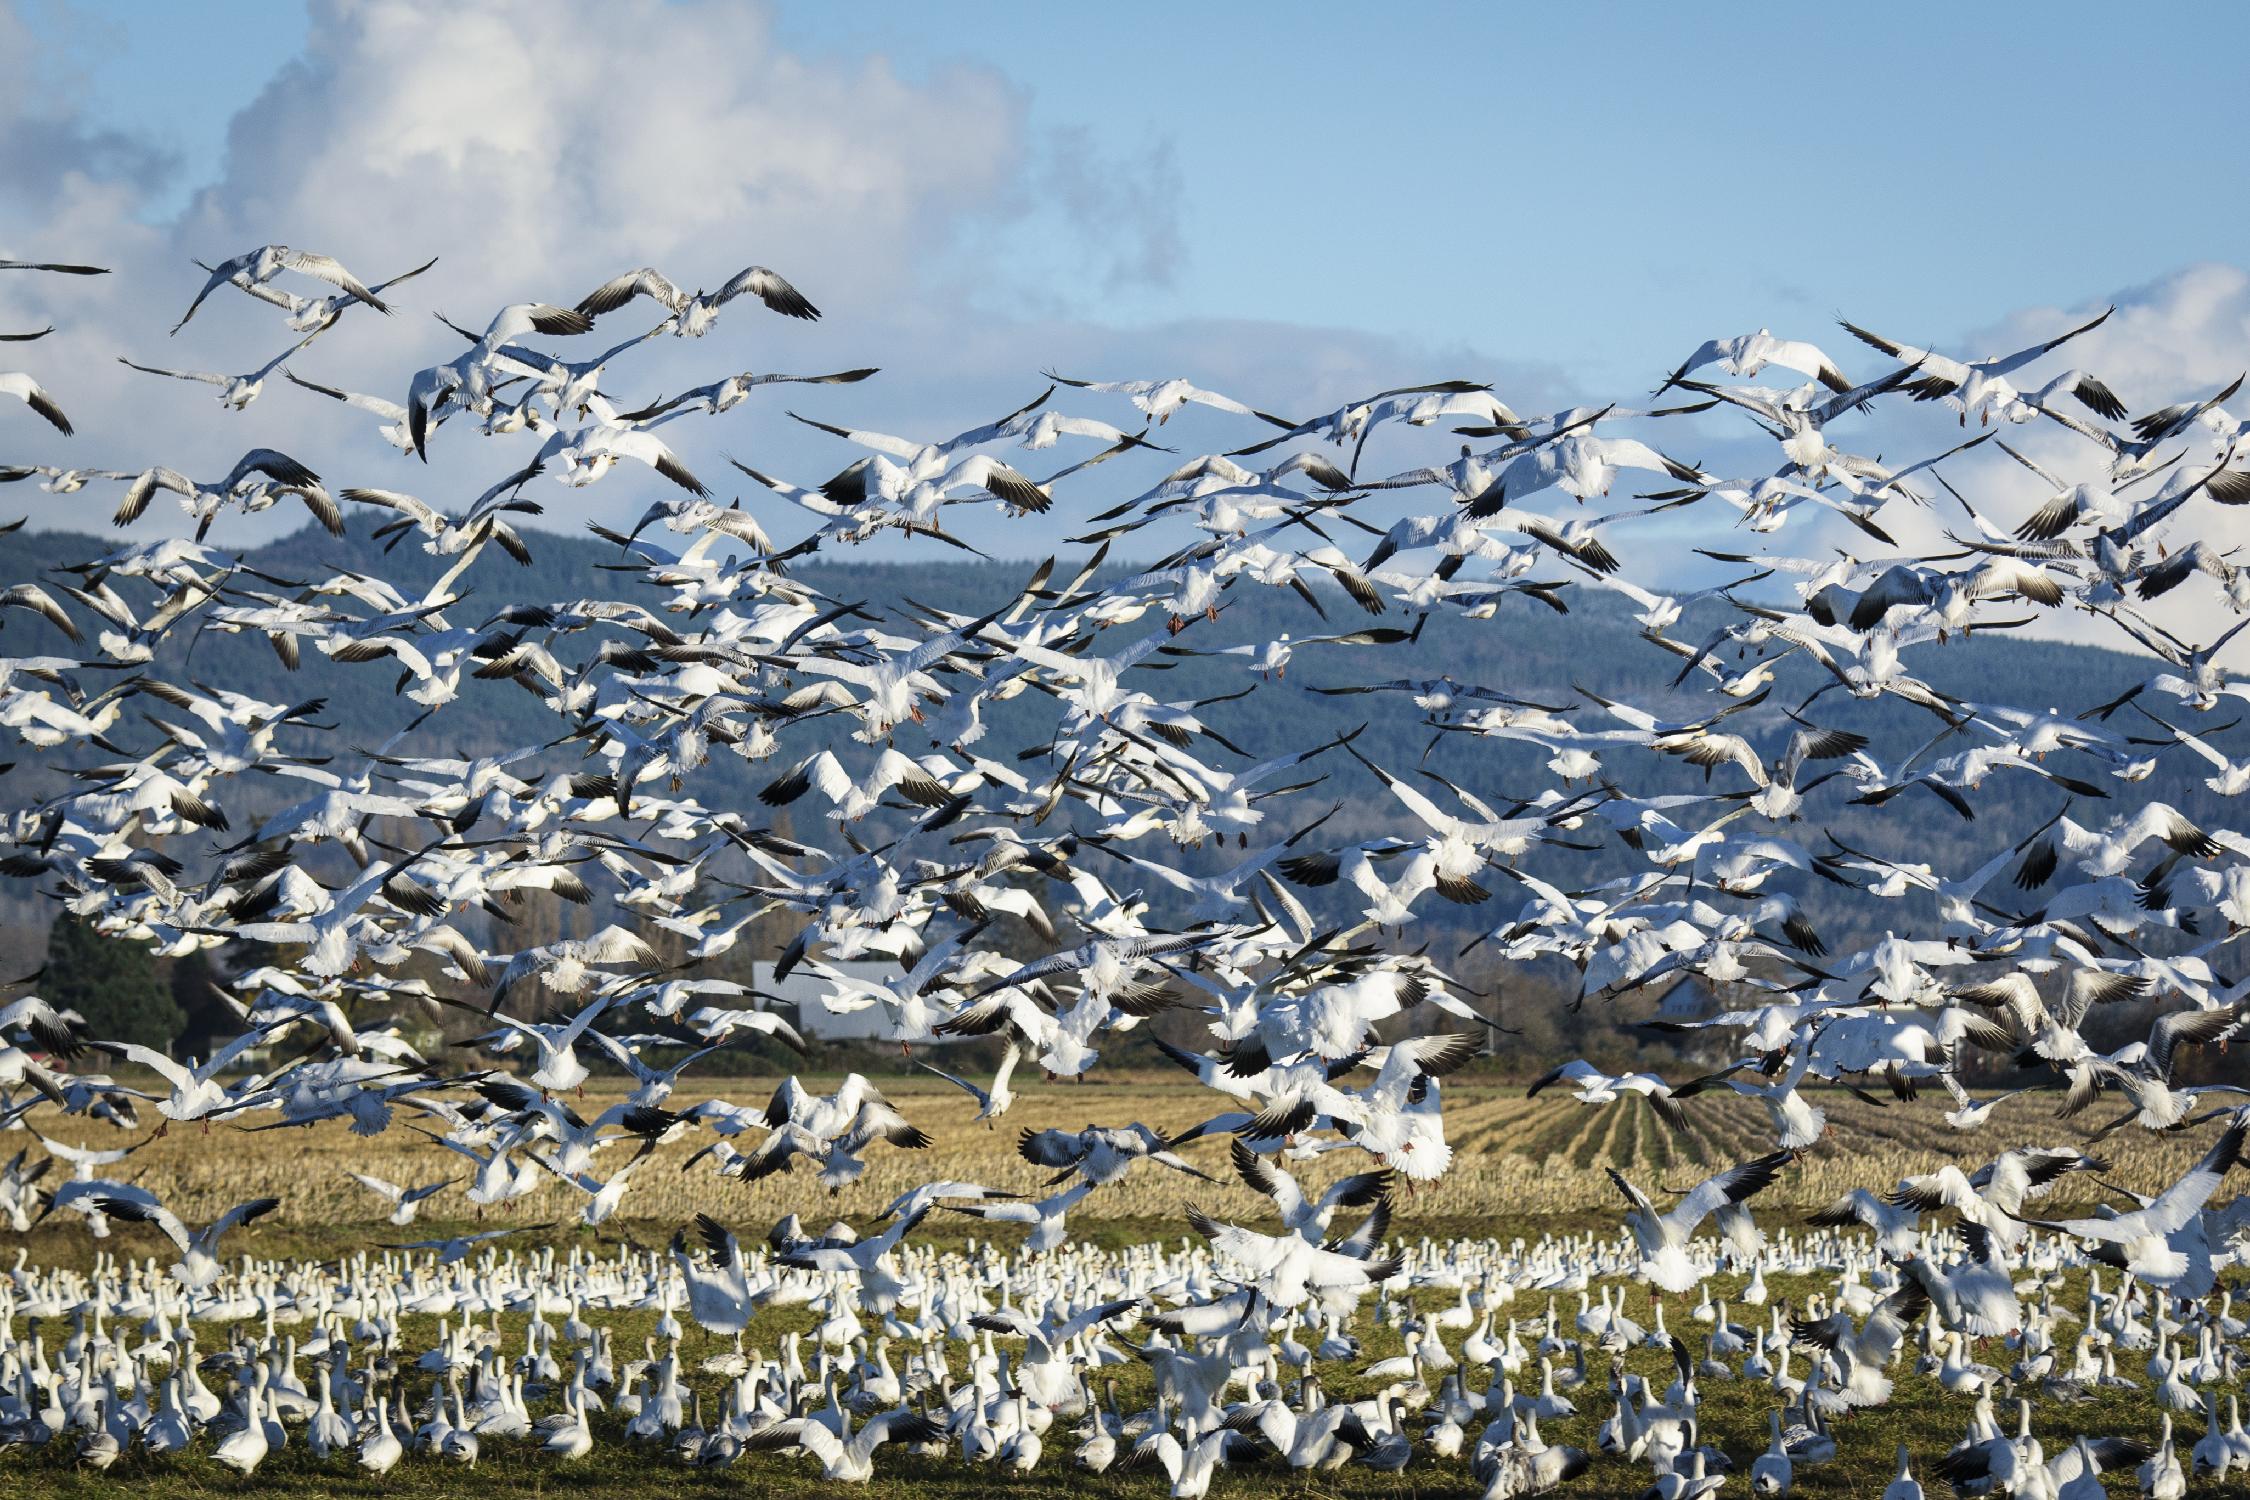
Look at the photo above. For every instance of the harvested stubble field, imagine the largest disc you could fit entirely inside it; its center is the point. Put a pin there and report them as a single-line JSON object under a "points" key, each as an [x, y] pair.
{"points": [[1521, 1165]]}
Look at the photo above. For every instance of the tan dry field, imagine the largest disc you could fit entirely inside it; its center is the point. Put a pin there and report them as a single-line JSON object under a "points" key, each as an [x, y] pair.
{"points": [[1517, 1162]]}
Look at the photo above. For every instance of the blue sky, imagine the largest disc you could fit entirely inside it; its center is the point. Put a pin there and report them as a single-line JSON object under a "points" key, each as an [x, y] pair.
{"points": [[1298, 205], [1592, 186]]}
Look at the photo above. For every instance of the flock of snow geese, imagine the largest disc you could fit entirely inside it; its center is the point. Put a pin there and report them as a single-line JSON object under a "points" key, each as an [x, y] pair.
{"points": [[384, 881]]}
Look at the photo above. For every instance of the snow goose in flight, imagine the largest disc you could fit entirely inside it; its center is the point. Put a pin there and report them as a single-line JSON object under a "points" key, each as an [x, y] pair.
{"points": [[1101, 1154], [1463, 847], [30, 596], [1416, 406], [195, 1090], [236, 392], [1158, 399], [1746, 355], [692, 316], [1048, 1371], [1045, 1215], [1581, 464], [1289, 1270], [727, 394], [2143, 1072], [1663, 1237], [583, 455], [565, 383], [1308, 1217], [55, 481], [931, 465], [911, 1003], [2231, 778], [1981, 386], [2170, 421], [1797, 1122], [1398, 1119], [1798, 418], [925, 480], [847, 1457], [395, 429], [1590, 1085], [565, 966], [199, 1249], [468, 379], [2053, 1032], [828, 1116], [1103, 964], [258, 267], [61, 1032], [256, 481], [314, 316], [2163, 1243], [18, 1067], [405, 1202], [57, 267], [852, 797], [449, 536], [28, 390], [894, 687], [2095, 503], [994, 1101]]}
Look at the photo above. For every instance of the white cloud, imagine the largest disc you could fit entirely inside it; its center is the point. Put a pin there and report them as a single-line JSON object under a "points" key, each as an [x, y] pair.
{"points": [[539, 148]]}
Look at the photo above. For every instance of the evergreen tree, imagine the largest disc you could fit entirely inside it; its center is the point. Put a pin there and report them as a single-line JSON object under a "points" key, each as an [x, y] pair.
{"points": [[205, 1017], [112, 983]]}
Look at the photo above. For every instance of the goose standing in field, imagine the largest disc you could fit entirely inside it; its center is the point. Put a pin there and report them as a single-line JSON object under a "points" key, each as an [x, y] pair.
{"points": [[1904, 1486]]}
